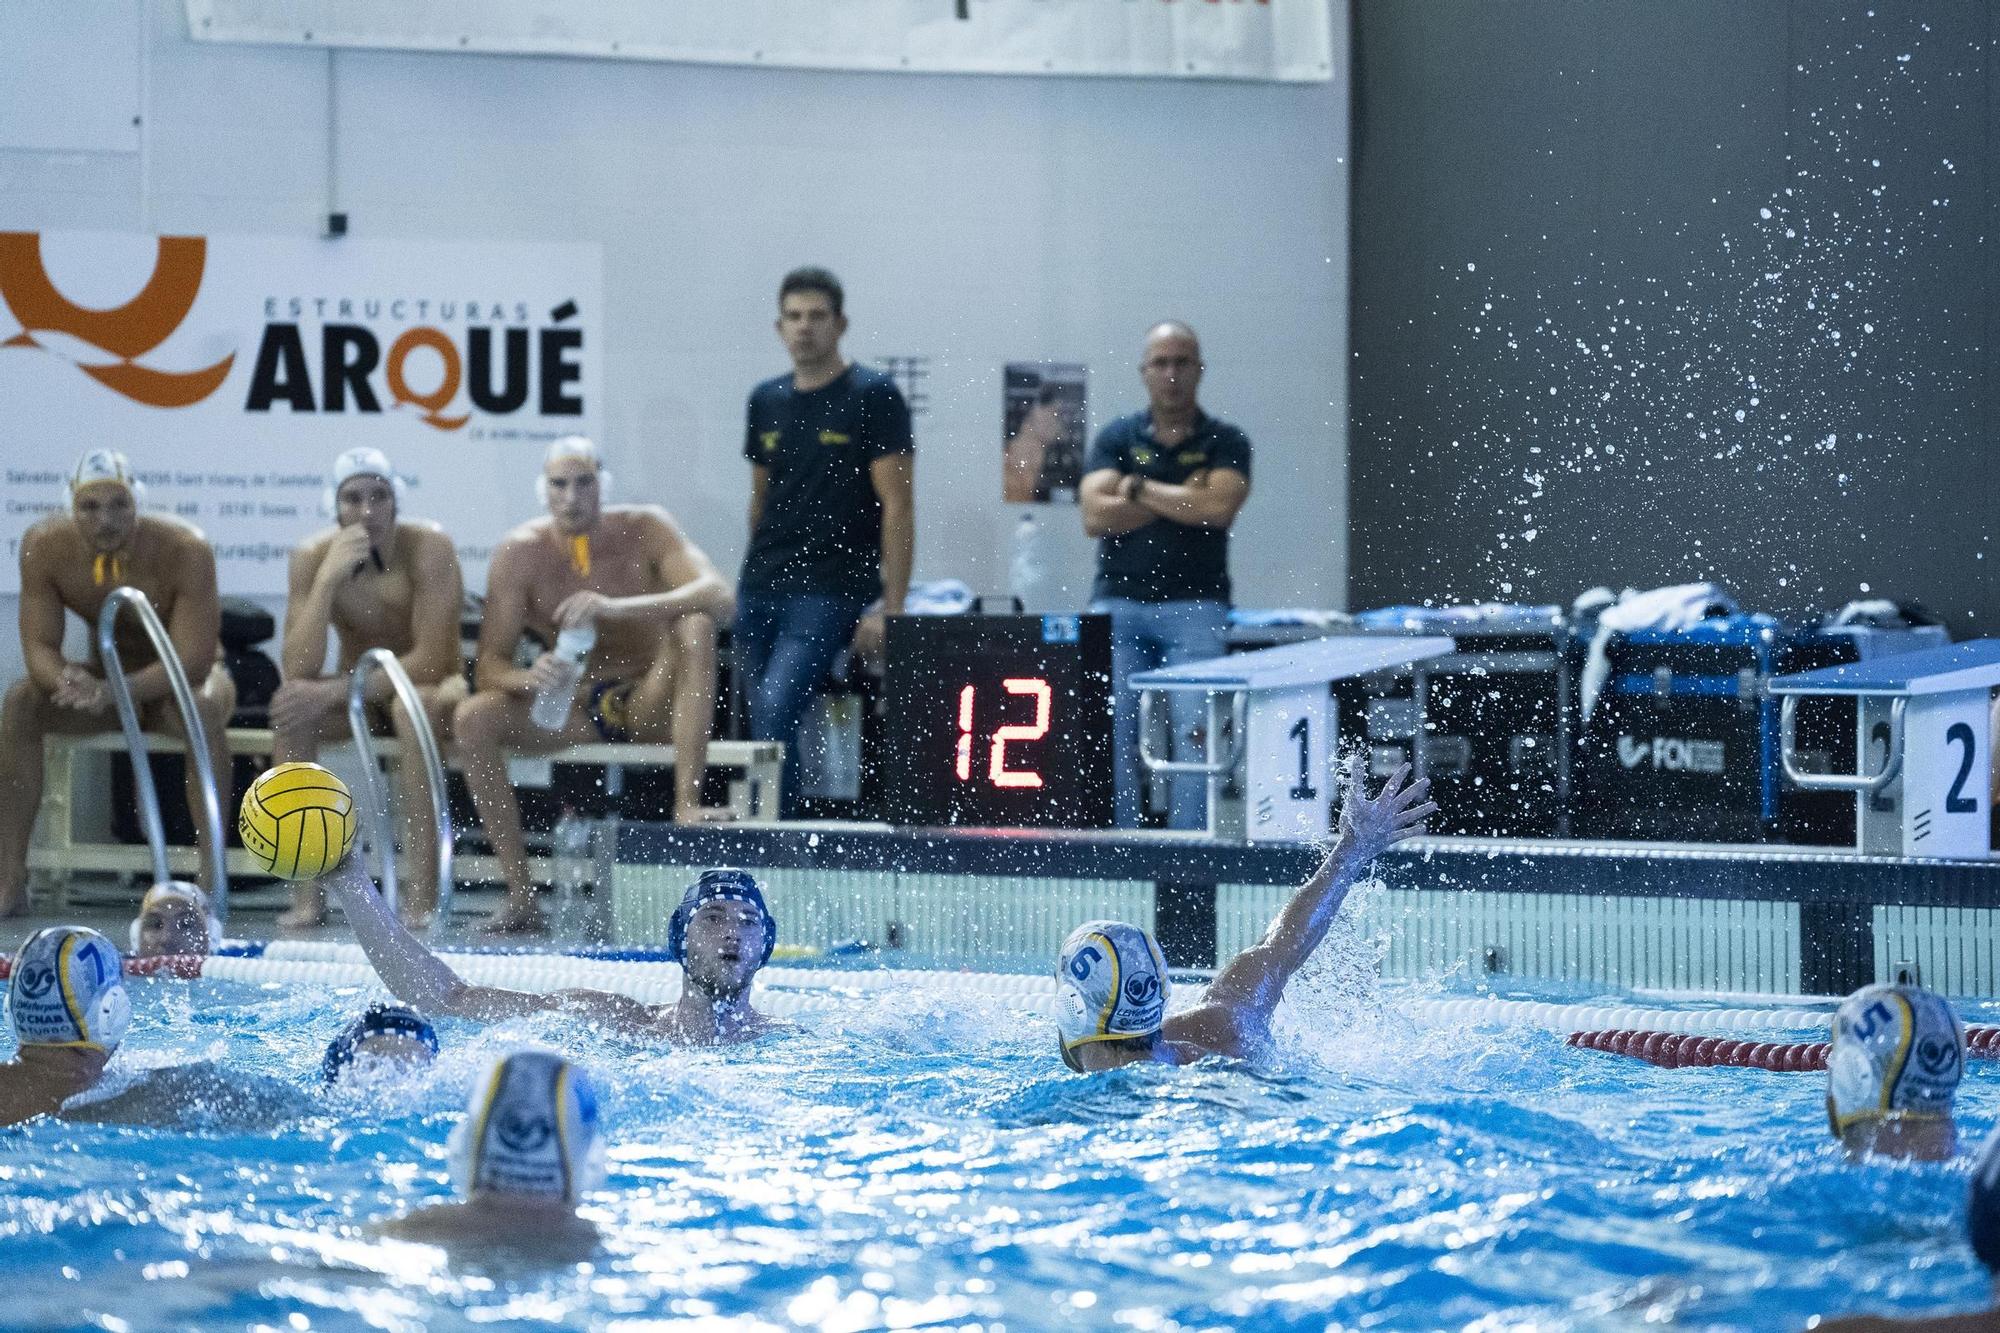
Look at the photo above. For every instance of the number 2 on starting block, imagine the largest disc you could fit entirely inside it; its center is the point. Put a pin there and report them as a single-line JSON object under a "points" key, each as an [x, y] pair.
{"points": [[1947, 776]]}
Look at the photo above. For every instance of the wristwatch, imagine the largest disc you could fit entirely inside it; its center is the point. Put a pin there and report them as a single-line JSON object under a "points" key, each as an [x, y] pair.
{"points": [[1133, 486]]}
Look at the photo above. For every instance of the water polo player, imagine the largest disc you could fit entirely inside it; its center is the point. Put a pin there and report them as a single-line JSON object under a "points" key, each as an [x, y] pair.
{"points": [[720, 934], [70, 563], [640, 601], [1113, 977], [529, 1148], [67, 1005], [382, 1036], [175, 918], [1893, 1071], [376, 579]]}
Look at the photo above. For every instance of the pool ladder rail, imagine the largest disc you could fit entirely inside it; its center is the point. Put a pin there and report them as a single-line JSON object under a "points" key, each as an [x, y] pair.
{"points": [[124, 598], [381, 826]]}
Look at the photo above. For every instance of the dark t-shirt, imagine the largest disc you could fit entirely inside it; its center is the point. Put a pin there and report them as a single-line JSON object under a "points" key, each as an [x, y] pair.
{"points": [[1165, 561], [821, 530]]}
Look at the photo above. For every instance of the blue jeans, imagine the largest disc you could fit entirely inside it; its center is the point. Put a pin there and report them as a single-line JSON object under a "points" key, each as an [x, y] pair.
{"points": [[785, 645], [1145, 635]]}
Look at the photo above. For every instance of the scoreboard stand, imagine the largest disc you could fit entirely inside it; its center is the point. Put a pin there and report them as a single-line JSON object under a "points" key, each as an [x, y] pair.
{"points": [[1271, 734]]}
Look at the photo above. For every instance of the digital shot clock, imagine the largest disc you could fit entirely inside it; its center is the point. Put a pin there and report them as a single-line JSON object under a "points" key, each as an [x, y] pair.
{"points": [[998, 721]]}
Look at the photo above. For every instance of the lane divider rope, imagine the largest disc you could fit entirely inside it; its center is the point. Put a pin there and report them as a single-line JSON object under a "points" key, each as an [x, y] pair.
{"points": [[1673, 1038], [1682, 1050]]}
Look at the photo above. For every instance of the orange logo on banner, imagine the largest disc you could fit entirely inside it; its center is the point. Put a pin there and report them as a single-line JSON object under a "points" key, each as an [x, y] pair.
{"points": [[127, 332]]}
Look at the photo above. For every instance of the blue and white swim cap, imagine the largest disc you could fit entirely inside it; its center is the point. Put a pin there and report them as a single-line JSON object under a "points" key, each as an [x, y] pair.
{"points": [[68, 989], [727, 885], [1113, 984], [531, 1128], [1898, 1053]]}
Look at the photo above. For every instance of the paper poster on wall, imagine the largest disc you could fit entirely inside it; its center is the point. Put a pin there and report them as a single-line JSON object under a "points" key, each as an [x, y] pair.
{"points": [[232, 370], [1288, 40], [1043, 416]]}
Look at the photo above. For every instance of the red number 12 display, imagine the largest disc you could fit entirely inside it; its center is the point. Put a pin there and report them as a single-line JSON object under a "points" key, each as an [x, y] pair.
{"points": [[996, 769]]}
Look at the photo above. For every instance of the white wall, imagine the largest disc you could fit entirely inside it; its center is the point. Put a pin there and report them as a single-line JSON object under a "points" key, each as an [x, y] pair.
{"points": [[973, 220]]}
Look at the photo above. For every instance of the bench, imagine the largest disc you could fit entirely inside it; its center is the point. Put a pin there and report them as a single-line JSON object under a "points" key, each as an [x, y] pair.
{"points": [[57, 847]]}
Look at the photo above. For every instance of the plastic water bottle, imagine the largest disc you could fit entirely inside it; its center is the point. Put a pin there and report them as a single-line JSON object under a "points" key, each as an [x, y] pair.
{"points": [[571, 849], [1024, 571], [551, 706]]}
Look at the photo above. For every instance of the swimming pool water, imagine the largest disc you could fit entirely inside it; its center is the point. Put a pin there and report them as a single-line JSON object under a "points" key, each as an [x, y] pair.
{"points": [[923, 1162]]}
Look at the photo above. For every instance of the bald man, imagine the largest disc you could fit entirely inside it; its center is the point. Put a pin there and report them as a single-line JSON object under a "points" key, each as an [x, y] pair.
{"points": [[1161, 489], [70, 563]]}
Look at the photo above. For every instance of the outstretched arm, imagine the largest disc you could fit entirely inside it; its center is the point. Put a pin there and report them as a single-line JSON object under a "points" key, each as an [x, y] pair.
{"points": [[1252, 983], [420, 979]]}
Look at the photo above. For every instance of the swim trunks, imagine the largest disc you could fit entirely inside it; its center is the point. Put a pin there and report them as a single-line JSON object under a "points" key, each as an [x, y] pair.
{"points": [[610, 709]]}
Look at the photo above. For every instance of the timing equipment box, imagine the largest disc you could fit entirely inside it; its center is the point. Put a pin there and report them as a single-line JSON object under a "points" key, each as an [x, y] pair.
{"points": [[1682, 745], [999, 721], [1495, 716]]}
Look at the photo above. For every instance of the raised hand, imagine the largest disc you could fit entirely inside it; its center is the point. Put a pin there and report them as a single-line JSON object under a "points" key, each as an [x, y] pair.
{"points": [[1371, 825]]}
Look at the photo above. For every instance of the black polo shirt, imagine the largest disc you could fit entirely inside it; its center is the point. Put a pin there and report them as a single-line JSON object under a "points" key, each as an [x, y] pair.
{"points": [[821, 529], [1165, 561]]}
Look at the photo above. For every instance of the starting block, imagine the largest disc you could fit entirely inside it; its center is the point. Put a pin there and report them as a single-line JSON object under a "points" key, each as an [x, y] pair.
{"points": [[1925, 747], [1270, 735]]}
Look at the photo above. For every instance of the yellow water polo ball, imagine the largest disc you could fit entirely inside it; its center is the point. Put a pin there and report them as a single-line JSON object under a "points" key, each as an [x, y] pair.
{"points": [[297, 821]]}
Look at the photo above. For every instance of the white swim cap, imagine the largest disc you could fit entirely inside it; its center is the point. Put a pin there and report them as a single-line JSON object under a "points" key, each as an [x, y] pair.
{"points": [[574, 446], [193, 896], [1898, 1053], [68, 989], [530, 1128], [1113, 983], [361, 462], [103, 465]]}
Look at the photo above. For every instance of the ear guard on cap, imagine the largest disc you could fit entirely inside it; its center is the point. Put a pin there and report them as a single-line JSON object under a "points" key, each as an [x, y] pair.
{"points": [[1898, 1052], [362, 462], [530, 1128], [729, 885], [1112, 984], [574, 446], [68, 989], [178, 888]]}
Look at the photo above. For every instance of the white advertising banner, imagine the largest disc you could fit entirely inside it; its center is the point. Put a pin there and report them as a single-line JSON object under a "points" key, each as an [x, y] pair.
{"points": [[232, 370], [1286, 40]]}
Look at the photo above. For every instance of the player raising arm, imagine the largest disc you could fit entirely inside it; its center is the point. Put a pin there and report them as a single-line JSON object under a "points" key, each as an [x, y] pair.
{"points": [[1114, 977]]}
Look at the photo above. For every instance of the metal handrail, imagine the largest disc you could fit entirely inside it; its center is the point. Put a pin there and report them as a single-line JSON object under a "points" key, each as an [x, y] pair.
{"points": [[135, 740], [379, 822], [1210, 762], [1892, 765]]}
